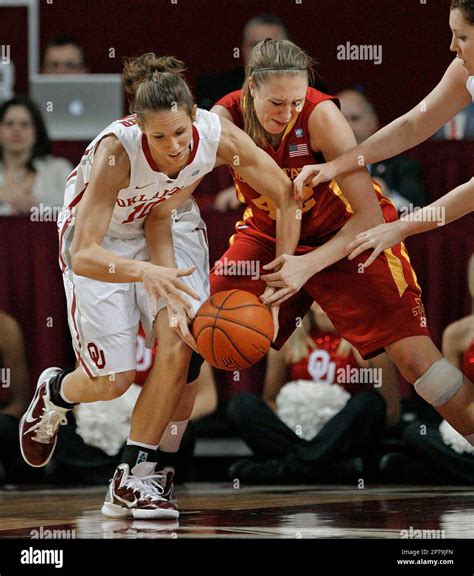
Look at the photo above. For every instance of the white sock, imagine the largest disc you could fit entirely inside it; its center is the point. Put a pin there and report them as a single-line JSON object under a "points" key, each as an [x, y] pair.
{"points": [[142, 444], [172, 436]]}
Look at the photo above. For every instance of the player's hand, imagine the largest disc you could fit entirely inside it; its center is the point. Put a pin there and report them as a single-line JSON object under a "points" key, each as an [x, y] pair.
{"points": [[293, 272], [312, 175], [179, 318], [163, 282], [376, 239], [275, 310]]}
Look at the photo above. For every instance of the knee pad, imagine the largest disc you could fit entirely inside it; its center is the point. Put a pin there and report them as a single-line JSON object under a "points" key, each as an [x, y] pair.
{"points": [[440, 383], [194, 367]]}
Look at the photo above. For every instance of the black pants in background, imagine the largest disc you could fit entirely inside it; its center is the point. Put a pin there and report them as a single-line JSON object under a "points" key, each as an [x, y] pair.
{"points": [[355, 431]]}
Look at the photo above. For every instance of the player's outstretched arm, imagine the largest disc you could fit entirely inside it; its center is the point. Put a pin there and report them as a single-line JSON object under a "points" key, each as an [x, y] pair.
{"points": [[452, 206], [448, 98]]}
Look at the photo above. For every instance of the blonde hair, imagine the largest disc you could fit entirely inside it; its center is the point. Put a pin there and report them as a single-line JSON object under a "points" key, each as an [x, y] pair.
{"points": [[271, 58], [156, 83]]}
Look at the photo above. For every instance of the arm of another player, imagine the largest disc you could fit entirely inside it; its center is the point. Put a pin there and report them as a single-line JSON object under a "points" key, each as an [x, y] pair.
{"points": [[452, 206], [93, 217], [448, 98]]}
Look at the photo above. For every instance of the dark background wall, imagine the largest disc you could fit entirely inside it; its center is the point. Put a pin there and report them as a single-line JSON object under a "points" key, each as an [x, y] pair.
{"points": [[414, 35]]}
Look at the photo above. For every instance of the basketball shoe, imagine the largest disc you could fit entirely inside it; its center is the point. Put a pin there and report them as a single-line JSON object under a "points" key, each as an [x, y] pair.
{"points": [[40, 424], [138, 493]]}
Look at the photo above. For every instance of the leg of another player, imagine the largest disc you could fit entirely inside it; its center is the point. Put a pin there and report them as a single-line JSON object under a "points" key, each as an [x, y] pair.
{"points": [[437, 381]]}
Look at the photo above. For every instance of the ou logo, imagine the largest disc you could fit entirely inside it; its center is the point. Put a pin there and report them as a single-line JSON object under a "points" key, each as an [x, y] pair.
{"points": [[320, 366], [97, 356]]}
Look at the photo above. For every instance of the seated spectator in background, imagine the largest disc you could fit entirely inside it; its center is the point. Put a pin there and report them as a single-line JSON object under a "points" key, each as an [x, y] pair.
{"points": [[461, 127], [15, 393], [401, 178], [64, 55], [438, 454], [211, 88], [312, 429], [29, 175]]}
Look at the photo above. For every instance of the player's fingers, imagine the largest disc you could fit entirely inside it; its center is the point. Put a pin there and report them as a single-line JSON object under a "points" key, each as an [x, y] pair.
{"points": [[185, 272], [186, 335], [372, 257], [361, 248], [276, 298], [182, 287], [278, 261], [271, 277], [275, 310]]}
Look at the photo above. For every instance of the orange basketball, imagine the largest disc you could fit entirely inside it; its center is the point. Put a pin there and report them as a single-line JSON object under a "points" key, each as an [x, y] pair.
{"points": [[233, 330]]}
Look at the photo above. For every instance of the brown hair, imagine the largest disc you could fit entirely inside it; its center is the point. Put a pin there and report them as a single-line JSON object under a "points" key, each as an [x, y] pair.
{"points": [[270, 58], [156, 83], [466, 6]]}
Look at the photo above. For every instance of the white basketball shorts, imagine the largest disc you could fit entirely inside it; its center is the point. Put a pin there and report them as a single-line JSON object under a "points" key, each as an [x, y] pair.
{"points": [[104, 316]]}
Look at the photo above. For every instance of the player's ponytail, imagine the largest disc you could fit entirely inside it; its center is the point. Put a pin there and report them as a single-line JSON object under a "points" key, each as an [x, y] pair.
{"points": [[466, 7], [269, 58], [156, 83]]}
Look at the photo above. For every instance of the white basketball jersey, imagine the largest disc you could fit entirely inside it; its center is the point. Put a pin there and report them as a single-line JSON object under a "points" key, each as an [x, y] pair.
{"points": [[148, 186], [470, 86]]}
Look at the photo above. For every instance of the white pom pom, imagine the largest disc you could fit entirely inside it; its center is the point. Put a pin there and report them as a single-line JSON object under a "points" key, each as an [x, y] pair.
{"points": [[106, 425], [452, 438], [306, 406]]}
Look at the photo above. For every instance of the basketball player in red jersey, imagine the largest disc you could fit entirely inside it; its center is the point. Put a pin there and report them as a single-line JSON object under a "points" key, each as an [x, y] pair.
{"points": [[375, 311], [134, 245]]}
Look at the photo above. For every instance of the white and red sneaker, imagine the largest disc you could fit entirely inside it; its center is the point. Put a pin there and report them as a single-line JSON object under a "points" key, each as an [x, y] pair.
{"points": [[167, 483], [138, 494], [40, 423]]}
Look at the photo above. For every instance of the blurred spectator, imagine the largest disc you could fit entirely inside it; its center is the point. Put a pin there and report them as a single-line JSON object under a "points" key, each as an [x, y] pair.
{"points": [[64, 55], [461, 127], [211, 88], [15, 393], [401, 178], [436, 453], [311, 429], [29, 175]]}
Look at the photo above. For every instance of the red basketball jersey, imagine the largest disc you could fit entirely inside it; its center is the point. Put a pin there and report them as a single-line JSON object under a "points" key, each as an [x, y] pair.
{"points": [[325, 209]]}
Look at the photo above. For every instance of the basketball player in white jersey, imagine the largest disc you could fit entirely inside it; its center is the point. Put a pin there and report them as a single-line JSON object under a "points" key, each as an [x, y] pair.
{"points": [[454, 92], [436, 380], [132, 246]]}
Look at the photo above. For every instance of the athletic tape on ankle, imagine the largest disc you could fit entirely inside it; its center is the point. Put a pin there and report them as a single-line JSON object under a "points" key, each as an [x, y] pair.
{"points": [[440, 383]]}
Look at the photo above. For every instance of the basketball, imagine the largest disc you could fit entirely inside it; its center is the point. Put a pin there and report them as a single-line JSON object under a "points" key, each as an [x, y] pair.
{"points": [[233, 330]]}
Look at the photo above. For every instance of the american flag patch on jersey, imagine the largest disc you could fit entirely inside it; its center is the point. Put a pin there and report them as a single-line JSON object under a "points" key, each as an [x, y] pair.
{"points": [[298, 150]]}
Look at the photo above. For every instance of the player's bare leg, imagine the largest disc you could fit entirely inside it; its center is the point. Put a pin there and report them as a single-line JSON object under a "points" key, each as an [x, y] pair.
{"points": [[437, 381]]}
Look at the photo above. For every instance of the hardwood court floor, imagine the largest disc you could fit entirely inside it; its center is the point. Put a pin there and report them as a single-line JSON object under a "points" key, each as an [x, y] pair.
{"points": [[220, 511]]}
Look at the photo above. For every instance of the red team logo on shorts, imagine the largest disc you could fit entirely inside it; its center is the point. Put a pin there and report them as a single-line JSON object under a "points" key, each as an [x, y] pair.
{"points": [[97, 356]]}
